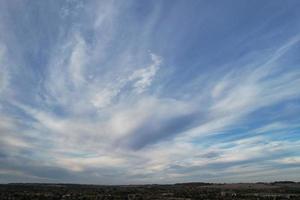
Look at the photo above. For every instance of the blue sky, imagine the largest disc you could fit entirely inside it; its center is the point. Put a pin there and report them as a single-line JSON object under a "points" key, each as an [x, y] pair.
{"points": [[132, 92]]}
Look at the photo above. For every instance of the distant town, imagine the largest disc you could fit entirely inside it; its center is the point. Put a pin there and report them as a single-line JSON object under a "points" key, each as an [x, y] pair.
{"points": [[181, 191]]}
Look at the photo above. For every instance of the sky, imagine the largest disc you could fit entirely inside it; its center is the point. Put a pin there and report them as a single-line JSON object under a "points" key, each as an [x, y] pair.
{"points": [[138, 92]]}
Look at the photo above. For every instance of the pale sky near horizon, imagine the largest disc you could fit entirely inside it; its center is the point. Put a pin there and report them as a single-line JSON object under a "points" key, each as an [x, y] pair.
{"points": [[161, 91]]}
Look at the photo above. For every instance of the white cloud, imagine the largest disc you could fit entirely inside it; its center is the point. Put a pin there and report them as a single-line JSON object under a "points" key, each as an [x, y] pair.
{"points": [[96, 162], [234, 97], [289, 160], [77, 61], [96, 105], [143, 77], [238, 94], [104, 97]]}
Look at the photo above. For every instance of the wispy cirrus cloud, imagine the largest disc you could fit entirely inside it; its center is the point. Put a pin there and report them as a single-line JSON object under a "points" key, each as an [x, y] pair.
{"points": [[109, 93]]}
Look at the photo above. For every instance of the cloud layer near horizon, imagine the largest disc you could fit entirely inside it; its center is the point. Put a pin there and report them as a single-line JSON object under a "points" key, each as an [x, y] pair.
{"points": [[115, 92]]}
